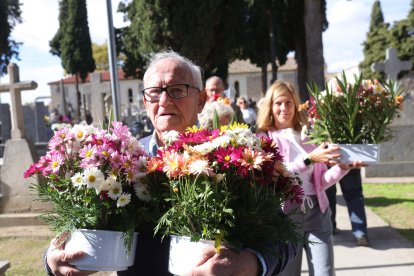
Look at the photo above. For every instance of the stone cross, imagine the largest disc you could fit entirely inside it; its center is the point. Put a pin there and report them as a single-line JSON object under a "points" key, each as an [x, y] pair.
{"points": [[15, 87], [392, 65]]}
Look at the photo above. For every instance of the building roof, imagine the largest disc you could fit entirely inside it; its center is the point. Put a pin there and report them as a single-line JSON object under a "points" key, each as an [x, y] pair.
{"points": [[105, 76], [244, 66]]}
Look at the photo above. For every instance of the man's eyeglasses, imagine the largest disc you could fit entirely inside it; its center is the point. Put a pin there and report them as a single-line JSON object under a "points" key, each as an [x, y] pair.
{"points": [[175, 91]]}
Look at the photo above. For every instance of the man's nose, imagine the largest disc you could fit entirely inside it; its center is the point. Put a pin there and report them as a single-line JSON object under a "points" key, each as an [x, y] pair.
{"points": [[164, 98]]}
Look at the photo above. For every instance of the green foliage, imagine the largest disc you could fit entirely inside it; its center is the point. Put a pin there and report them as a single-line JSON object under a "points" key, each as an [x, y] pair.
{"points": [[10, 15], [355, 113], [100, 55], [400, 38], [265, 19], [204, 31], [203, 209], [377, 42], [72, 42]]}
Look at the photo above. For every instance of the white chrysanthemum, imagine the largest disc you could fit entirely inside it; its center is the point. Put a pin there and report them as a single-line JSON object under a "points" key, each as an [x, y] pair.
{"points": [[123, 200], [204, 148], [142, 192], [79, 132], [93, 177], [133, 145], [90, 129], [198, 167], [222, 141], [170, 136], [77, 180], [140, 177], [108, 183], [115, 190], [142, 163]]}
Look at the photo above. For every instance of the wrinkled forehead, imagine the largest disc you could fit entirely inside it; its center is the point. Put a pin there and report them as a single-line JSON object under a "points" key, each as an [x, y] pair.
{"points": [[167, 72]]}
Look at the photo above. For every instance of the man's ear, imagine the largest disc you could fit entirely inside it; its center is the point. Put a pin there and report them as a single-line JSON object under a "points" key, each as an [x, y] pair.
{"points": [[145, 103], [202, 98]]}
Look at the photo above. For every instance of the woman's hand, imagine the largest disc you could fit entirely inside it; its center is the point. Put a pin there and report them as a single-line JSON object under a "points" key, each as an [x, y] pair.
{"points": [[354, 165], [323, 154]]}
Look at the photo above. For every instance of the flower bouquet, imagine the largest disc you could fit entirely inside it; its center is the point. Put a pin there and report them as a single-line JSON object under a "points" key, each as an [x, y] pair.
{"points": [[94, 180], [353, 113], [226, 186]]}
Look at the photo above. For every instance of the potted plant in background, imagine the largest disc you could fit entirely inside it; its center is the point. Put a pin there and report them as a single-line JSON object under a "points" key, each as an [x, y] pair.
{"points": [[94, 180], [357, 116], [226, 186]]}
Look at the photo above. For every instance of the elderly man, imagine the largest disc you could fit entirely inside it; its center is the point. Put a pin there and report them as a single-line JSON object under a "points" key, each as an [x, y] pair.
{"points": [[173, 97]]}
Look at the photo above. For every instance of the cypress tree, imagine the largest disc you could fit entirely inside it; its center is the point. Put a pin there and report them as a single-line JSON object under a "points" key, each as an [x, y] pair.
{"points": [[72, 42], [376, 43], [10, 15], [402, 37]]}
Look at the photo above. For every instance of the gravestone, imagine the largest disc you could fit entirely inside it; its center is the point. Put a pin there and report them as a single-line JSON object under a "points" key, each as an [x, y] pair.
{"points": [[392, 65], [5, 123], [396, 155], [99, 91], [19, 153]]}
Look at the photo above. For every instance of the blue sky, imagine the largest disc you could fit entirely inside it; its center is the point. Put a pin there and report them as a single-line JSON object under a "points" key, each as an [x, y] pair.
{"points": [[348, 25]]}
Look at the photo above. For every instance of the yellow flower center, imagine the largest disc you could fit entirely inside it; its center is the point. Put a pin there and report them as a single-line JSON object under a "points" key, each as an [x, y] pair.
{"points": [[88, 153], [227, 158], [55, 164], [91, 178], [79, 134]]}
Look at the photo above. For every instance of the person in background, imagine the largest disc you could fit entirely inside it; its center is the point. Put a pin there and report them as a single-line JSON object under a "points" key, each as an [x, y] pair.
{"points": [[173, 97], [206, 117], [279, 119], [249, 115], [215, 91], [351, 187]]}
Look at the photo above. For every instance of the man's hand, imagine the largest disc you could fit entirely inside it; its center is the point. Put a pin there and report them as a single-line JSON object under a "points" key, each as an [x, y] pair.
{"points": [[227, 262], [58, 259]]}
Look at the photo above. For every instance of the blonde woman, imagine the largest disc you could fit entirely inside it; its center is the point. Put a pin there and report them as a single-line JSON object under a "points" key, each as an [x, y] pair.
{"points": [[280, 119]]}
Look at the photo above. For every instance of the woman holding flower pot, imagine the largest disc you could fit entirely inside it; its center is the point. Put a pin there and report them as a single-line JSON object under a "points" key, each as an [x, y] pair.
{"points": [[279, 119]]}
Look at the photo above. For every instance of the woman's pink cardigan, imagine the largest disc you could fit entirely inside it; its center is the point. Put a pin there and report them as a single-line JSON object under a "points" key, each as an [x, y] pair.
{"points": [[322, 177]]}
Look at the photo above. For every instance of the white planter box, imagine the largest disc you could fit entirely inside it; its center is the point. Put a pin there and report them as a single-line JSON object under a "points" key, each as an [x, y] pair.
{"points": [[105, 250], [185, 255], [368, 153]]}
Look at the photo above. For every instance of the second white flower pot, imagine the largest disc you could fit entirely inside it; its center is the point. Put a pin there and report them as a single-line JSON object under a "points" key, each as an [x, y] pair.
{"points": [[185, 254], [368, 153]]}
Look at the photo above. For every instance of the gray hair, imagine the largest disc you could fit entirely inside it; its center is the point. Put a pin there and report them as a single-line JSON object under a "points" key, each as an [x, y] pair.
{"points": [[206, 117], [195, 70]]}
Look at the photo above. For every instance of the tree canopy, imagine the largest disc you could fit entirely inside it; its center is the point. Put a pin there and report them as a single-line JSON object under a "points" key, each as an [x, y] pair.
{"points": [[214, 33], [205, 31], [376, 43], [72, 42], [10, 15]]}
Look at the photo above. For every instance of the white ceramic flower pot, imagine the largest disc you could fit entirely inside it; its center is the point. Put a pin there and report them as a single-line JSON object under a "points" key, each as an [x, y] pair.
{"points": [[368, 153], [105, 250], [184, 254]]}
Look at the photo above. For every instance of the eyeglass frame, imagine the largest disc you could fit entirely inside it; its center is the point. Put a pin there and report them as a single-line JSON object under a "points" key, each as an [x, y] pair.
{"points": [[165, 88]]}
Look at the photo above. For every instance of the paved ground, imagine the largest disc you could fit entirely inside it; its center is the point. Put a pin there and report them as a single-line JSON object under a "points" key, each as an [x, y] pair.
{"points": [[389, 253]]}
